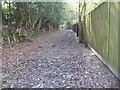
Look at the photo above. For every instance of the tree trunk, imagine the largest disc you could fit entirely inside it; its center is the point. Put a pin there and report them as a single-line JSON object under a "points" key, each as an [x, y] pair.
{"points": [[10, 21], [79, 14], [84, 27], [5, 21], [33, 26], [39, 25]]}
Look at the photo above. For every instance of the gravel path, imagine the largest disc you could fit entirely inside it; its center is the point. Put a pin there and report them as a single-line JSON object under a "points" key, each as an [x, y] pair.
{"points": [[54, 60]]}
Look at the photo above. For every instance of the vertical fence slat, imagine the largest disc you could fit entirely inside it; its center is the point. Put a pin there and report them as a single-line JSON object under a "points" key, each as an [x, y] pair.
{"points": [[113, 35]]}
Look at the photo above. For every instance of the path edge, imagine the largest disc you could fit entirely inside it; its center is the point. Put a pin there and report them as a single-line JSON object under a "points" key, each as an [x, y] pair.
{"points": [[115, 72]]}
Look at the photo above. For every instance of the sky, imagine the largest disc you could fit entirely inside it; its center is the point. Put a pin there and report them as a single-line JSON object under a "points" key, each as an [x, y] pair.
{"points": [[56, 0]]}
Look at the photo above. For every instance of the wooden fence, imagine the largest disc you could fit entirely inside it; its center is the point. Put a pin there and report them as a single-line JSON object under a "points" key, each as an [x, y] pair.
{"points": [[101, 34]]}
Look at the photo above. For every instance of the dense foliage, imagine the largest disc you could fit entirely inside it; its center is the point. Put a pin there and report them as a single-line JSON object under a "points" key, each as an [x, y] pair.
{"points": [[24, 18]]}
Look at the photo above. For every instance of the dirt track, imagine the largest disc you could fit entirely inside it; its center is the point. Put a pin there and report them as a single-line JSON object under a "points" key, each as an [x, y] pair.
{"points": [[54, 60]]}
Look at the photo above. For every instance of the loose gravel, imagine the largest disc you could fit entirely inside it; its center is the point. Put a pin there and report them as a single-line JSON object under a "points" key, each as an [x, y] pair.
{"points": [[54, 60]]}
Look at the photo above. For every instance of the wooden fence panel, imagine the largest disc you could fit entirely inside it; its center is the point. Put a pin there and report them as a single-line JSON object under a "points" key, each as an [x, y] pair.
{"points": [[113, 35], [102, 27]]}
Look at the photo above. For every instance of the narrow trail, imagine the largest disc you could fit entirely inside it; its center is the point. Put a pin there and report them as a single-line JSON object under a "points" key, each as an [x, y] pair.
{"points": [[54, 60]]}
